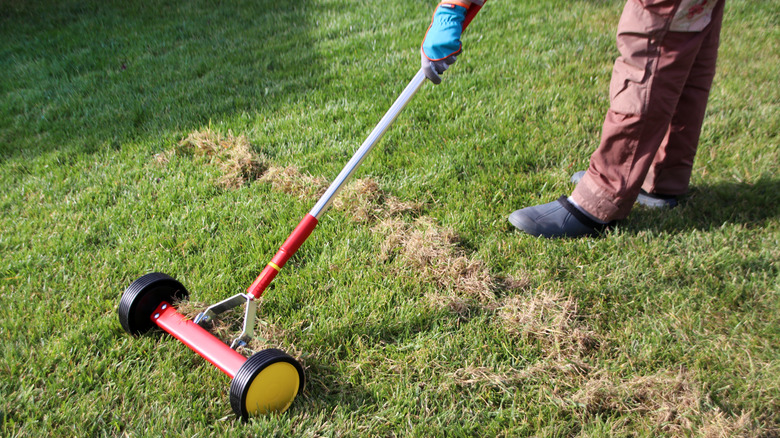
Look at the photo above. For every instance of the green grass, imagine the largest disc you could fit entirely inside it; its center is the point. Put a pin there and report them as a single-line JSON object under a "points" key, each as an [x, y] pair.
{"points": [[668, 325]]}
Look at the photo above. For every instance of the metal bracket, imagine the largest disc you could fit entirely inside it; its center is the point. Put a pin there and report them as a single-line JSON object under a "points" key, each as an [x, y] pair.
{"points": [[249, 325], [211, 313]]}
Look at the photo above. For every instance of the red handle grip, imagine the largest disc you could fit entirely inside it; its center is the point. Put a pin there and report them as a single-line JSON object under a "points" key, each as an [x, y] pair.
{"points": [[473, 9], [288, 248]]}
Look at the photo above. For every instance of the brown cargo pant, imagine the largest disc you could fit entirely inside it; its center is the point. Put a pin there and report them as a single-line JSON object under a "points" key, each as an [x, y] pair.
{"points": [[658, 95]]}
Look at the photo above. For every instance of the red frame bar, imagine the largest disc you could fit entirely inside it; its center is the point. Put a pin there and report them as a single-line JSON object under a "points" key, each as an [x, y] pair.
{"points": [[198, 339]]}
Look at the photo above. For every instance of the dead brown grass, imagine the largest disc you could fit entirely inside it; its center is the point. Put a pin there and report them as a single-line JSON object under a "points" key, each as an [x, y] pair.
{"points": [[564, 372], [669, 401], [394, 206], [362, 199], [431, 254], [366, 202], [550, 318], [233, 155], [291, 181]]}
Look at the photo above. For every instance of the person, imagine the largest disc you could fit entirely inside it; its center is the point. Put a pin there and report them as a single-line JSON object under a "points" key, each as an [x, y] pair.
{"points": [[658, 95]]}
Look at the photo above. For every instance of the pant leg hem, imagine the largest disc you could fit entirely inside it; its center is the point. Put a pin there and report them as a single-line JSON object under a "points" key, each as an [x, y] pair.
{"points": [[595, 200]]}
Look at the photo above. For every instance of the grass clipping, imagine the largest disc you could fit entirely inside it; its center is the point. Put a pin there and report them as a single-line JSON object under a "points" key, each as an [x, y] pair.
{"points": [[669, 401], [291, 181], [362, 199], [549, 318], [431, 254], [233, 155]]}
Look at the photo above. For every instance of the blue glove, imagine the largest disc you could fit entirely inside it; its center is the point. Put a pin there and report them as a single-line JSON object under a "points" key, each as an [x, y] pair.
{"points": [[441, 44]]}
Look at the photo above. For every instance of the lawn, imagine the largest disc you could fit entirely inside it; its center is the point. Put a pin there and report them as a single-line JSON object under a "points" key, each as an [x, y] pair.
{"points": [[190, 138]]}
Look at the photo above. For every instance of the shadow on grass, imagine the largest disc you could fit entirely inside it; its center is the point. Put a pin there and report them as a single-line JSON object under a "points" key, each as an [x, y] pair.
{"points": [[711, 206], [80, 76], [326, 388], [360, 345]]}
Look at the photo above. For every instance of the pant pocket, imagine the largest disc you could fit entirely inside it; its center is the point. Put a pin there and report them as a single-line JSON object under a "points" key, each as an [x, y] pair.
{"points": [[639, 32], [628, 88]]}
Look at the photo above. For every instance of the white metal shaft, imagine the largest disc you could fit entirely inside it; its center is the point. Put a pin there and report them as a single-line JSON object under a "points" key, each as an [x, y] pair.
{"points": [[400, 103]]}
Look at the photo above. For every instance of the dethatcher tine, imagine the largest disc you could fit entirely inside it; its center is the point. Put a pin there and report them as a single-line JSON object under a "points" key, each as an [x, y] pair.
{"points": [[269, 380]]}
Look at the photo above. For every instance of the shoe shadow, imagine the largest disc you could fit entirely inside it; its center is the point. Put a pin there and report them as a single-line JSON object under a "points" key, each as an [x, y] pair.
{"points": [[712, 206]]}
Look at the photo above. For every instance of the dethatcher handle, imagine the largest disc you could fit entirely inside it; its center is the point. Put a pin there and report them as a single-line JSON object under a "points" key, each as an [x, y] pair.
{"points": [[288, 248], [400, 103], [473, 9], [307, 225]]}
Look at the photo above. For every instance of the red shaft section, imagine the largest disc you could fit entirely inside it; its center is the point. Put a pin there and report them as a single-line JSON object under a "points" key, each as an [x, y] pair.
{"points": [[198, 339], [473, 9], [288, 248]]}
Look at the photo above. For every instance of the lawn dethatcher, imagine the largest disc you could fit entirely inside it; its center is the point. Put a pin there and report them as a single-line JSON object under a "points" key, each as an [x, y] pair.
{"points": [[269, 380]]}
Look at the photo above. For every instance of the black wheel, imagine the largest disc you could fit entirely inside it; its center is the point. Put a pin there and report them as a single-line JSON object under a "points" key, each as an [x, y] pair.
{"points": [[143, 296], [267, 382]]}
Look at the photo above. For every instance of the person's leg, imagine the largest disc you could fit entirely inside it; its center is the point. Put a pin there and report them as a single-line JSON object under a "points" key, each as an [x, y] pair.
{"points": [[670, 171], [639, 117], [647, 81], [632, 116]]}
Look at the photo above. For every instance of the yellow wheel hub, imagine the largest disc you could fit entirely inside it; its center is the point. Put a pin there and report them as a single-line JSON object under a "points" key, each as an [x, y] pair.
{"points": [[273, 389]]}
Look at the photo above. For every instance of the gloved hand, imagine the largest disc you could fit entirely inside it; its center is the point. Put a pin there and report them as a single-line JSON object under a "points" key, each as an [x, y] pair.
{"points": [[441, 44]]}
